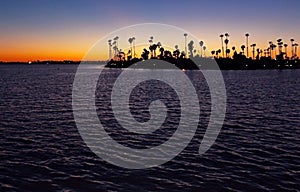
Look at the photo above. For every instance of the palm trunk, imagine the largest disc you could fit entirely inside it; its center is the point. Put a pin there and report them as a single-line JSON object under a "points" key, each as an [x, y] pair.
{"points": [[222, 47], [292, 47], [185, 42], [247, 48], [134, 48]]}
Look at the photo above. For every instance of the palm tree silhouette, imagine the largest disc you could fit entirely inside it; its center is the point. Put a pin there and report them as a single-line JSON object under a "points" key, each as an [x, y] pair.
{"points": [[243, 49], [221, 36], [218, 52], [185, 42], [295, 53], [201, 43], [133, 42], [115, 43], [253, 50], [154, 49], [110, 51], [233, 49], [227, 52], [158, 44], [279, 43], [161, 50], [176, 52], [285, 50], [204, 49], [226, 41], [247, 43], [274, 48], [130, 40], [258, 51], [270, 48], [292, 48], [116, 40], [115, 48], [191, 47], [213, 53], [151, 40]]}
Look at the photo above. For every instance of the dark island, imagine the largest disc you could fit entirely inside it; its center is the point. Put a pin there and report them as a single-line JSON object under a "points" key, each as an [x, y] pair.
{"points": [[248, 58]]}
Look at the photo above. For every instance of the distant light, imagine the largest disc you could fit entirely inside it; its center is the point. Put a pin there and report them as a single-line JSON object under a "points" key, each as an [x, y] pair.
{"points": [[29, 62]]}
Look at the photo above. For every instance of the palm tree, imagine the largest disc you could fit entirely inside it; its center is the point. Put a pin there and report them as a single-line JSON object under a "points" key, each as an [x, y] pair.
{"points": [[233, 50], [110, 51], [191, 47], [218, 52], [185, 42], [154, 49], [213, 53], [279, 43], [221, 36], [115, 43], [116, 40], [201, 43], [295, 53], [285, 50], [130, 40], [227, 52], [133, 42], [253, 50], [258, 51], [204, 49], [243, 49], [161, 50], [270, 48], [115, 47], [247, 43], [274, 48], [292, 48], [151, 40], [226, 41]]}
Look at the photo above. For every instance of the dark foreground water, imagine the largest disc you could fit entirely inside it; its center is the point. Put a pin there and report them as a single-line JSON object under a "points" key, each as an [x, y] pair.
{"points": [[41, 149]]}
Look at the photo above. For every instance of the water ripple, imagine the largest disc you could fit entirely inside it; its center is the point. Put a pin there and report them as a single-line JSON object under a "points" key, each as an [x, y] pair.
{"points": [[41, 150]]}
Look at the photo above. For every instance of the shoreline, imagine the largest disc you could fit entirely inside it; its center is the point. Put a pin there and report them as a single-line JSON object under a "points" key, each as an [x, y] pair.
{"points": [[184, 64]]}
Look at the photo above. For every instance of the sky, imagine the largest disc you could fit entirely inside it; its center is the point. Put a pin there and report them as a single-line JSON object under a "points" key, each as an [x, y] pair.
{"points": [[66, 30]]}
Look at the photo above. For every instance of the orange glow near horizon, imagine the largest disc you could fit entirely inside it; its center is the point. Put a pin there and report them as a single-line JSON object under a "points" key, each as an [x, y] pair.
{"points": [[35, 48]]}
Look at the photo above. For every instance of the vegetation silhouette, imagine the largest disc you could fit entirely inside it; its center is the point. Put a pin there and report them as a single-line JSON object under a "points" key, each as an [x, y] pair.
{"points": [[272, 57]]}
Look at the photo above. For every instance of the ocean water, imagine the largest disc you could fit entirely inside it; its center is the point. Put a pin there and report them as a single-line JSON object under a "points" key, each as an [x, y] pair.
{"points": [[258, 148]]}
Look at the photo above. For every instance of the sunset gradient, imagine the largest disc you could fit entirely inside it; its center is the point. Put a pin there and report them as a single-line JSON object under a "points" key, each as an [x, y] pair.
{"points": [[66, 30]]}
